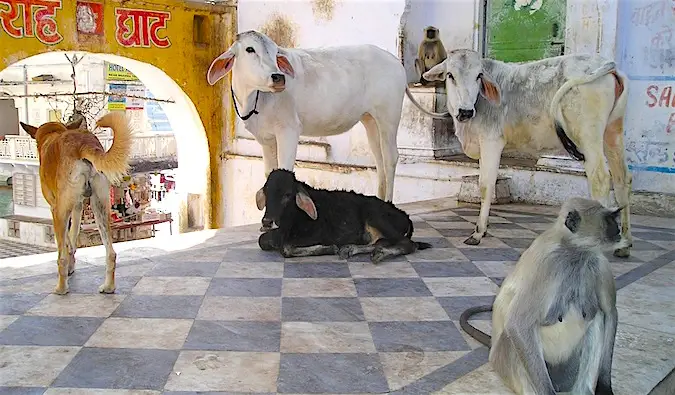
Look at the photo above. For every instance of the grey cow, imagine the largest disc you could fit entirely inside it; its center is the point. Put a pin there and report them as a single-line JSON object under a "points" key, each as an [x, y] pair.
{"points": [[576, 102]]}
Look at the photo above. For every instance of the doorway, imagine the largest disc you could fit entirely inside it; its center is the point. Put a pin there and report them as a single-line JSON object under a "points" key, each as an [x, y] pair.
{"points": [[524, 30]]}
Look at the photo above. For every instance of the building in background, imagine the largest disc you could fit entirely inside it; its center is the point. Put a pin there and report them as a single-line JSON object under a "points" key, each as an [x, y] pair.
{"points": [[40, 89]]}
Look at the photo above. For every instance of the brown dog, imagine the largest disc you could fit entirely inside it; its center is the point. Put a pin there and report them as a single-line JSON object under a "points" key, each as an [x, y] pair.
{"points": [[74, 166]]}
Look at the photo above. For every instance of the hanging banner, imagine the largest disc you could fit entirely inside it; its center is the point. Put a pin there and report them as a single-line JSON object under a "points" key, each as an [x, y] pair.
{"points": [[115, 72], [117, 101], [135, 103]]}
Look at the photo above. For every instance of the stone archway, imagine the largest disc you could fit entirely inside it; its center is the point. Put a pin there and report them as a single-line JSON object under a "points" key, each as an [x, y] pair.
{"points": [[154, 42]]}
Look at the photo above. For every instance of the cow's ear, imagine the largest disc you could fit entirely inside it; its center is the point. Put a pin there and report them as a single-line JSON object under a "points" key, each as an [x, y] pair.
{"points": [[489, 89], [305, 203], [220, 66], [260, 199], [436, 73], [284, 64], [31, 130]]}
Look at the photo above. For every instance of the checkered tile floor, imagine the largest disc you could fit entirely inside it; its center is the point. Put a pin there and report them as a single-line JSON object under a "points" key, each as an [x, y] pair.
{"points": [[235, 319], [10, 249]]}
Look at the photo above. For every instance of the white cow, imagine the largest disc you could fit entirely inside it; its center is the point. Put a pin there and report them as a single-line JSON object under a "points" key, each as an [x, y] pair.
{"points": [[328, 92], [576, 102]]}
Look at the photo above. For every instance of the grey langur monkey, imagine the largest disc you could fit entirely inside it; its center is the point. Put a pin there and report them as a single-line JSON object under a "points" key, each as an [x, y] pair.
{"points": [[430, 52], [554, 318]]}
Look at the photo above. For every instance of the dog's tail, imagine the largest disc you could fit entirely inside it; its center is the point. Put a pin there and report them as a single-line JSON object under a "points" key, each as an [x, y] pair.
{"points": [[114, 163]]}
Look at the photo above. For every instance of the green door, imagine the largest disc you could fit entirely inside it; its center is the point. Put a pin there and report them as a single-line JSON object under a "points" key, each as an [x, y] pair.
{"points": [[523, 30]]}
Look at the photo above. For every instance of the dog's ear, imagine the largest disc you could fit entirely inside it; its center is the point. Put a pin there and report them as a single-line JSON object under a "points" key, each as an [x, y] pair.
{"points": [[73, 125], [31, 130]]}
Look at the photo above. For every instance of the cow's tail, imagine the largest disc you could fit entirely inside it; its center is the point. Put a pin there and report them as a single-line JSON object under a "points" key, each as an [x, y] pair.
{"points": [[419, 245], [621, 96], [556, 111], [114, 163], [437, 115]]}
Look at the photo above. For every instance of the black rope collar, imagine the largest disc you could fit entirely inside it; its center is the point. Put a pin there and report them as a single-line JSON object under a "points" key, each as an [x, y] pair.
{"points": [[254, 111]]}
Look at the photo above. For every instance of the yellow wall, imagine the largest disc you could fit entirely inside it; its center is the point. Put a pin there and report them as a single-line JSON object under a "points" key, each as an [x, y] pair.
{"points": [[184, 61]]}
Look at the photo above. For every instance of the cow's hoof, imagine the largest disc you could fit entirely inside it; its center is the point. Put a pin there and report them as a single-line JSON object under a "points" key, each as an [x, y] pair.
{"points": [[345, 252], [622, 252], [472, 241], [265, 228]]}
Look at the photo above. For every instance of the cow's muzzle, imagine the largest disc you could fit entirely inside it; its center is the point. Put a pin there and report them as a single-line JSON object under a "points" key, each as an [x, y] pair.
{"points": [[465, 115], [278, 82]]}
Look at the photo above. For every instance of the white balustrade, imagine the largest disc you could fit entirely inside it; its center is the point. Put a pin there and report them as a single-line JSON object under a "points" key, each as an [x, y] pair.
{"points": [[24, 148]]}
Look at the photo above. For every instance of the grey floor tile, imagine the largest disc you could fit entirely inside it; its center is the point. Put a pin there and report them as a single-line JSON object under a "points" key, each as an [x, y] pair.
{"points": [[517, 242], [503, 225], [331, 373], [653, 235], [22, 390], [446, 269], [248, 287], [315, 270], [420, 225], [642, 245], [118, 369], [366, 258], [417, 336], [455, 306], [321, 309], [529, 219], [156, 306], [15, 304], [379, 287], [497, 280], [50, 331], [234, 336], [491, 254], [442, 218], [436, 242], [455, 232], [251, 255], [88, 283], [192, 269]]}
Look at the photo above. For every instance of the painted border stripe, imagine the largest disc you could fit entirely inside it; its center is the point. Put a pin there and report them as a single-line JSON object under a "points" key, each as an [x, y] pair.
{"points": [[651, 77], [655, 169]]}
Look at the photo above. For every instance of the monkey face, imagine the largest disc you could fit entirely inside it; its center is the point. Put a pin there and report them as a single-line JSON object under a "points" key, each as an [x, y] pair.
{"points": [[432, 33], [594, 225]]}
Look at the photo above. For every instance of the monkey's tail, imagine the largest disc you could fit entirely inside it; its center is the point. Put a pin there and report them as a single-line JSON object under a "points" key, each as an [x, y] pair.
{"points": [[114, 164], [474, 332], [437, 115], [556, 111]]}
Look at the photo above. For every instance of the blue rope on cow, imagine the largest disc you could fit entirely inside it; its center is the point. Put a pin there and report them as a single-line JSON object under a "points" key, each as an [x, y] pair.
{"points": [[254, 111]]}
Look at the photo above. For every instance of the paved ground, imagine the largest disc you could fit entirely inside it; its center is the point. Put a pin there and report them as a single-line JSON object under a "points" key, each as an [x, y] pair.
{"points": [[10, 249], [225, 316]]}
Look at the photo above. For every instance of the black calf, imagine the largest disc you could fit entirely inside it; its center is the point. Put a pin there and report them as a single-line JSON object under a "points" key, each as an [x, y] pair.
{"points": [[349, 223]]}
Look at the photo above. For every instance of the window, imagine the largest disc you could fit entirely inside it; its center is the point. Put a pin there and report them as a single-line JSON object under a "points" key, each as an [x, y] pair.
{"points": [[24, 189]]}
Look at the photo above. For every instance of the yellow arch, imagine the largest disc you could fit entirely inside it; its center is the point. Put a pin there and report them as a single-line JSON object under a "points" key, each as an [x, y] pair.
{"points": [[172, 65]]}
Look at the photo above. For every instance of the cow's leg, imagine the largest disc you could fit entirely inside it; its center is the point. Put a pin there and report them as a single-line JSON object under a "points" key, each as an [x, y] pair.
{"points": [[269, 153], [621, 178], [349, 250], [388, 128], [490, 155], [270, 241], [374, 141], [289, 251], [287, 147], [385, 248]]}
